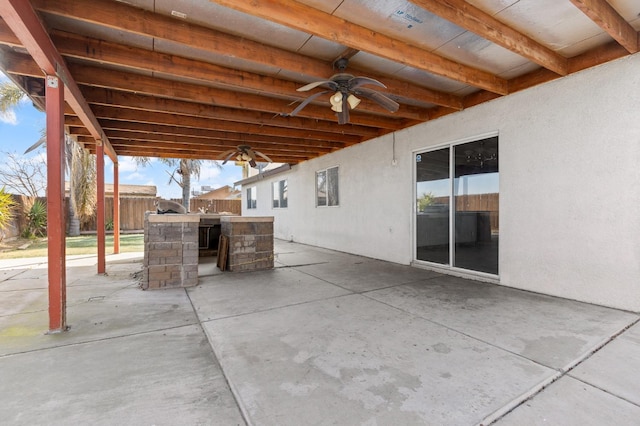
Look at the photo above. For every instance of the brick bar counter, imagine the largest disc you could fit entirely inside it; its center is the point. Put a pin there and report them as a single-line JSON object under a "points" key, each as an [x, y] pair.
{"points": [[250, 242], [170, 250]]}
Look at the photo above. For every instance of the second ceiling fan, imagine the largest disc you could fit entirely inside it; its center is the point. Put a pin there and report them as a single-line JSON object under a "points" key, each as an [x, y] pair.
{"points": [[346, 88]]}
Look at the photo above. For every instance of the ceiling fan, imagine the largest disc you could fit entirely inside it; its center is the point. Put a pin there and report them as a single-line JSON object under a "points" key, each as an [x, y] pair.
{"points": [[346, 90], [244, 153]]}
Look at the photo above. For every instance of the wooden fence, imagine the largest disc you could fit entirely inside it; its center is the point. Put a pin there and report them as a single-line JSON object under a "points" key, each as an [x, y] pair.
{"points": [[132, 211], [215, 206]]}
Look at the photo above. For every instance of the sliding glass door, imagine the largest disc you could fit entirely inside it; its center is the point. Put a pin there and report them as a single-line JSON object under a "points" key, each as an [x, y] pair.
{"points": [[466, 177], [433, 186]]}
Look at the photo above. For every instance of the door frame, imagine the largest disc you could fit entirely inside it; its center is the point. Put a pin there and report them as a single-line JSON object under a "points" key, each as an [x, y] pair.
{"points": [[449, 269]]}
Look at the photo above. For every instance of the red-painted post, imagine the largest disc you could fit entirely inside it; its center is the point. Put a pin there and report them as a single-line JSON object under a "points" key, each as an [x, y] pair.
{"points": [[100, 208], [55, 205], [116, 210]]}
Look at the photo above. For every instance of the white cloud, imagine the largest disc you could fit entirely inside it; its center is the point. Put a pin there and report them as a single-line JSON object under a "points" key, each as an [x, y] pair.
{"points": [[135, 176], [9, 117], [209, 173], [127, 164]]}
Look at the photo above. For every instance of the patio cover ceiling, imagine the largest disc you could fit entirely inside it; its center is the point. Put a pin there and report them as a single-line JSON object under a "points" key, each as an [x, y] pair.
{"points": [[192, 79]]}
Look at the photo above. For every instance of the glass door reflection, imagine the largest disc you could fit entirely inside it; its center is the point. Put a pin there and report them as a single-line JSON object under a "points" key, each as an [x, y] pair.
{"points": [[476, 216], [433, 189]]}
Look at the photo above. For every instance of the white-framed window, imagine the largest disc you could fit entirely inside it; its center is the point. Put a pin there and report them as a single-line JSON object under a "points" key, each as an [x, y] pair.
{"points": [[280, 194], [327, 187], [252, 197]]}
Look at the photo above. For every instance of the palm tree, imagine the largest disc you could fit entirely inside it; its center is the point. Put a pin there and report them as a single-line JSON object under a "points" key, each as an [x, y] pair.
{"points": [[10, 96], [185, 169], [79, 163]]}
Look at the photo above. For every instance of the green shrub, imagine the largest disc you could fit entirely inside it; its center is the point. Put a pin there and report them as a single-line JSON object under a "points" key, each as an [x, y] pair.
{"points": [[6, 211], [36, 220]]}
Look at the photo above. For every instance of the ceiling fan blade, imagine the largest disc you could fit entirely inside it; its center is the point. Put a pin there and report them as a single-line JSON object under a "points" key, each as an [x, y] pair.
{"points": [[250, 153], [314, 85], [253, 163], [383, 100], [356, 82], [227, 155], [306, 102], [264, 156]]}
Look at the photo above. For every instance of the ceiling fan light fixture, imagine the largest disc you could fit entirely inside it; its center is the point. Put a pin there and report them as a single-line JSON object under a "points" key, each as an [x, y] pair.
{"points": [[336, 98], [353, 101], [336, 101]]}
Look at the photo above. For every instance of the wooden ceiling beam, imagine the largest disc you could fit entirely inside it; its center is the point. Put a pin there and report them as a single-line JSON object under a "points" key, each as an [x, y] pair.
{"points": [[122, 114], [189, 154], [486, 26], [223, 144], [141, 149], [86, 48], [146, 23], [101, 96], [607, 18], [7, 36], [26, 26], [154, 86], [211, 151], [236, 138], [316, 22]]}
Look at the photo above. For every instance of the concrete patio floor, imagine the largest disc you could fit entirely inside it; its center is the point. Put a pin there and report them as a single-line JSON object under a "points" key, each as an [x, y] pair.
{"points": [[326, 338]]}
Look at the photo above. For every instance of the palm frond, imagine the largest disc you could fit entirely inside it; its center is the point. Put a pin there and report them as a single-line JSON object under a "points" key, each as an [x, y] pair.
{"points": [[10, 96]]}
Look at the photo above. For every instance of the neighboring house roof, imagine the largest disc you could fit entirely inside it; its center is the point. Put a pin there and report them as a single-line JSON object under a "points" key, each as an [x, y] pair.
{"points": [[146, 191], [222, 193]]}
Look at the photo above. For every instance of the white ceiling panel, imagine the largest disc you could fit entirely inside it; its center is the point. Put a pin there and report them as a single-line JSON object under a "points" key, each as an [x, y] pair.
{"points": [[628, 9], [223, 60], [320, 48], [430, 81], [367, 61], [212, 15], [585, 45], [400, 19], [492, 6], [519, 71], [480, 53], [556, 24]]}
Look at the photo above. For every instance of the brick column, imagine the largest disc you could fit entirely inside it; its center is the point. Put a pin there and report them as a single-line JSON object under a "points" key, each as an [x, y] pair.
{"points": [[250, 242], [170, 250]]}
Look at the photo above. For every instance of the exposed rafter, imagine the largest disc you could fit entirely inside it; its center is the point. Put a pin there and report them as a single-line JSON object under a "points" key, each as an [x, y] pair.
{"points": [[194, 86], [24, 23], [313, 21], [481, 23], [603, 14]]}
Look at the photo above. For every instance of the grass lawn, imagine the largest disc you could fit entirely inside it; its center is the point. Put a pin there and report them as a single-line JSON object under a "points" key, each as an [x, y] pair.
{"points": [[84, 244]]}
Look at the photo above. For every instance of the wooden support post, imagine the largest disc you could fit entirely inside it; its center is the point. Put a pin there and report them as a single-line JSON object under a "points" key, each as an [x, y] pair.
{"points": [[100, 208], [116, 210], [55, 205]]}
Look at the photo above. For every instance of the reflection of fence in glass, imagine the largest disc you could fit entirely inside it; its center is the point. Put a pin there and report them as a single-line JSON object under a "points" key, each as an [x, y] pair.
{"points": [[477, 203]]}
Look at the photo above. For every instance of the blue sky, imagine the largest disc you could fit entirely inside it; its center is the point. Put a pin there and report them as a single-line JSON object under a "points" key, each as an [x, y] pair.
{"points": [[21, 128]]}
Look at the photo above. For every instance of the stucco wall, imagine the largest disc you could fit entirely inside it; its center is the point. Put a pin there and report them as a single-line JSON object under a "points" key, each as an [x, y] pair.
{"points": [[569, 187]]}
